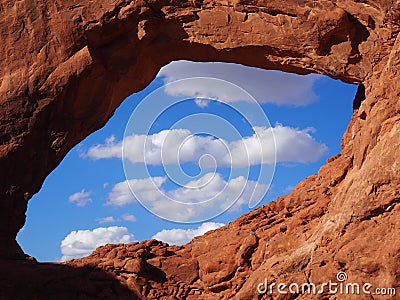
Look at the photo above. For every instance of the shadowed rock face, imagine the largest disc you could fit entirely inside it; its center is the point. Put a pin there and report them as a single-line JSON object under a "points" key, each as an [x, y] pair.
{"points": [[66, 65]]}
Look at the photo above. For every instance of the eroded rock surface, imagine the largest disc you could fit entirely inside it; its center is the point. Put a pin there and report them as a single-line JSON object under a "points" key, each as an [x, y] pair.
{"points": [[66, 65]]}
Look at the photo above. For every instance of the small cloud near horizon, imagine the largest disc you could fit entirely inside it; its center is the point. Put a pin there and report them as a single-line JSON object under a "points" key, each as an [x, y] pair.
{"points": [[81, 243], [179, 236]]}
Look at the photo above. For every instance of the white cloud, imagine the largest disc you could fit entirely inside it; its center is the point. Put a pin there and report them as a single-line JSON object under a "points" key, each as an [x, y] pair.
{"points": [[121, 194], [200, 102], [106, 220], [183, 236], [288, 189], [111, 148], [200, 199], [81, 243], [129, 218], [180, 146], [80, 198], [264, 85]]}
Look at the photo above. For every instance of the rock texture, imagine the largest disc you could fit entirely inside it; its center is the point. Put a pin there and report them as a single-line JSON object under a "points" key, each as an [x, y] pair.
{"points": [[66, 65]]}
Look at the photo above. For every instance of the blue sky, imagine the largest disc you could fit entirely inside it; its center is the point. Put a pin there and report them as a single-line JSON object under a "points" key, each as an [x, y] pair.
{"points": [[86, 200]]}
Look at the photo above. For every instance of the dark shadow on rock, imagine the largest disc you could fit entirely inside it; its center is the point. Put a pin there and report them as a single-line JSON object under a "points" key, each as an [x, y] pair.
{"points": [[24, 279], [359, 97]]}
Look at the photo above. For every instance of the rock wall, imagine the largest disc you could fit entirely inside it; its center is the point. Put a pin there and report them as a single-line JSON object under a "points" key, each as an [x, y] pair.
{"points": [[66, 65]]}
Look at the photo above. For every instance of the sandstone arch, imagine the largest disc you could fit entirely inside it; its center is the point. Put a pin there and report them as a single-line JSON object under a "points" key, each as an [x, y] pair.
{"points": [[66, 65]]}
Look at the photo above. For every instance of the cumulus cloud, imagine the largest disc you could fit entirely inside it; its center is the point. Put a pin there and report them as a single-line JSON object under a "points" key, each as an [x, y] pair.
{"points": [[81, 243], [129, 218], [184, 236], [265, 86], [111, 148], [181, 146], [109, 219], [80, 198], [200, 197], [200, 102]]}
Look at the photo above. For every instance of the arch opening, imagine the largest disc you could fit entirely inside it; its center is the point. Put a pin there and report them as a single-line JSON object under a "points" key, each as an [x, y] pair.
{"points": [[308, 115]]}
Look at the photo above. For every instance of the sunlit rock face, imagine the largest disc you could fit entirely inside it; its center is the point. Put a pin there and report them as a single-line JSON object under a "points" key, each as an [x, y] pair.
{"points": [[65, 67]]}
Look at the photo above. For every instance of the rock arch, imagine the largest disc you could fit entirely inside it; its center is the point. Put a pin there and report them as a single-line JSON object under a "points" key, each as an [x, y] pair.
{"points": [[66, 65]]}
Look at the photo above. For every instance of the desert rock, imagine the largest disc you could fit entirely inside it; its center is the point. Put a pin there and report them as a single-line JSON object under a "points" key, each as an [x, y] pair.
{"points": [[66, 65]]}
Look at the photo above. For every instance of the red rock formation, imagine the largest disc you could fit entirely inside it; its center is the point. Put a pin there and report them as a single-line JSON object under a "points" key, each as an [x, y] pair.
{"points": [[65, 67]]}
